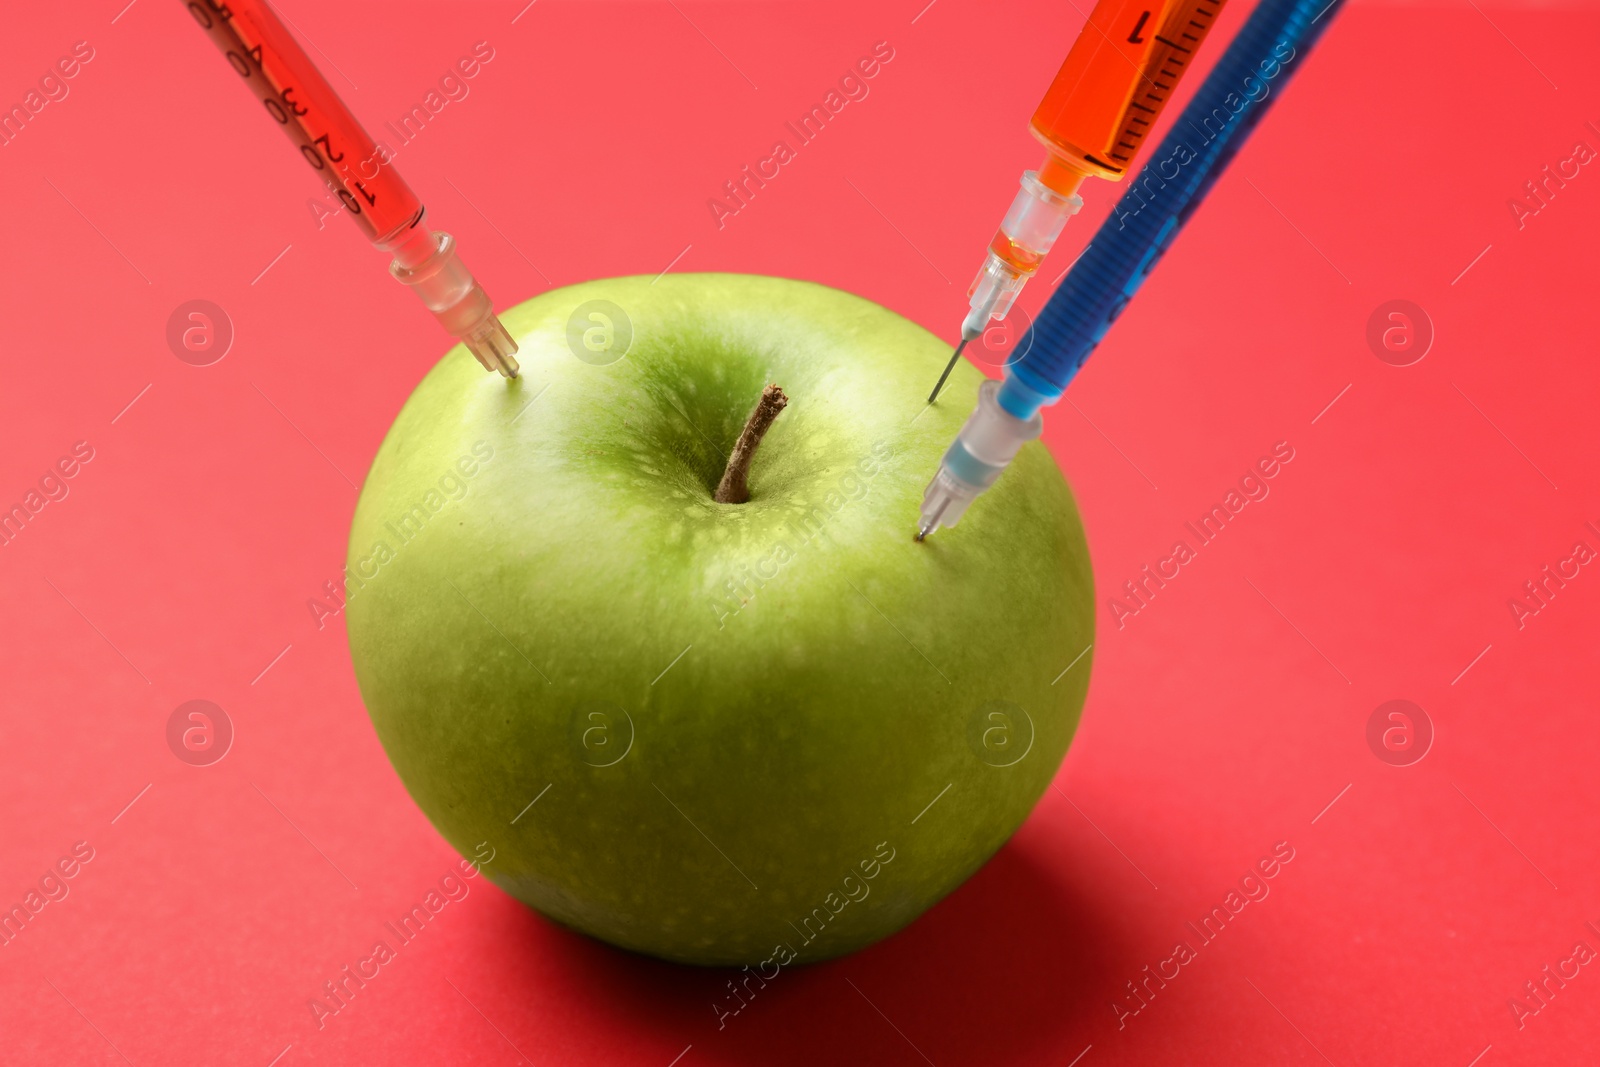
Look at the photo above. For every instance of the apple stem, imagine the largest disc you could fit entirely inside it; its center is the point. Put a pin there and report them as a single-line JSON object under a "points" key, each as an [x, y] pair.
{"points": [[734, 487]]}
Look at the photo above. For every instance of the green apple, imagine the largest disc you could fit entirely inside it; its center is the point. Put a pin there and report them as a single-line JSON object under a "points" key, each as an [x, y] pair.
{"points": [[715, 733]]}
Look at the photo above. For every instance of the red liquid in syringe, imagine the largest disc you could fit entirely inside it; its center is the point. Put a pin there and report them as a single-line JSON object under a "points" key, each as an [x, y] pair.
{"points": [[273, 66], [264, 54]]}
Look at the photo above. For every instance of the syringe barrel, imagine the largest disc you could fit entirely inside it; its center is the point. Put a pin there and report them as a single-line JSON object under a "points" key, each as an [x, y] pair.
{"points": [[1121, 72], [356, 169], [276, 70], [1258, 63]]}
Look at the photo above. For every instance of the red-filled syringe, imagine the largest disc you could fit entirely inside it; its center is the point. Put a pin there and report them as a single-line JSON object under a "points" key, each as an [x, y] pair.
{"points": [[275, 68]]}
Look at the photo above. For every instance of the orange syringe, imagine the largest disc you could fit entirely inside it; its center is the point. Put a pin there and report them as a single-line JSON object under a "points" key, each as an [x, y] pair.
{"points": [[1094, 118]]}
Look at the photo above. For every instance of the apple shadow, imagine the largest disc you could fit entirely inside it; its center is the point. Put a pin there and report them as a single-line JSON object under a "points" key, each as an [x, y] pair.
{"points": [[1012, 968]]}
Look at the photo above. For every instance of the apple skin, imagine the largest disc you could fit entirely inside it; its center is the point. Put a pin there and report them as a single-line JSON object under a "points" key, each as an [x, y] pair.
{"points": [[805, 765]]}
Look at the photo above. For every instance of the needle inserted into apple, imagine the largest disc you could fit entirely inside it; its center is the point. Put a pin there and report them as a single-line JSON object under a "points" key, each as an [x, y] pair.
{"points": [[358, 171], [1093, 120], [1270, 47]]}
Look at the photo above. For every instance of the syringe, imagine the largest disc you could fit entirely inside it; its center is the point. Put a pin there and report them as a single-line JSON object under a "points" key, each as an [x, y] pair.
{"points": [[1269, 48], [264, 54], [1094, 118]]}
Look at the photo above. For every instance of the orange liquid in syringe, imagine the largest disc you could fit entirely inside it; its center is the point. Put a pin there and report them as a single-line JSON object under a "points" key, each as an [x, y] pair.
{"points": [[1119, 75]]}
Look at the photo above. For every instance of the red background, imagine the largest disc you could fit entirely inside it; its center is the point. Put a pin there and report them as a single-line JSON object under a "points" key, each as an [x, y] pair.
{"points": [[1223, 718]]}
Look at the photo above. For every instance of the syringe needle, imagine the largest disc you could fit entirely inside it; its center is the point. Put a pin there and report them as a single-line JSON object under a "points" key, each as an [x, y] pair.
{"points": [[948, 367], [357, 170], [1121, 254]]}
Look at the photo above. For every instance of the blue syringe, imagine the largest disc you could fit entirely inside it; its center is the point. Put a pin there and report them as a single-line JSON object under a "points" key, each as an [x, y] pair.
{"points": [[1258, 63]]}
